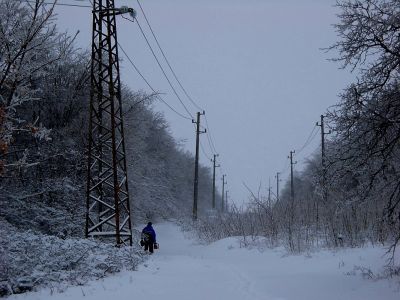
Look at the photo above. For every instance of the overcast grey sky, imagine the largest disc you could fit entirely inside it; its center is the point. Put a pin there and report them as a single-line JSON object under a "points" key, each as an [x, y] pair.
{"points": [[255, 66]]}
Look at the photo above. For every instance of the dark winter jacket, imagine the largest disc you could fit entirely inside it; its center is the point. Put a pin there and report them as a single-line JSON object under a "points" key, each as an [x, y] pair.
{"points": [[150, 231]]}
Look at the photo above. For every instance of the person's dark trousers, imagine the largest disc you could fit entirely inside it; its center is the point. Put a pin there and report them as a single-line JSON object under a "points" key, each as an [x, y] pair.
{"points": [[149, 246]]}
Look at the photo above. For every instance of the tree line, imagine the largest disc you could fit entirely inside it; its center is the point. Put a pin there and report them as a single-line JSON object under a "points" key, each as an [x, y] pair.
{"points": [[44, 104], [362, 167]]}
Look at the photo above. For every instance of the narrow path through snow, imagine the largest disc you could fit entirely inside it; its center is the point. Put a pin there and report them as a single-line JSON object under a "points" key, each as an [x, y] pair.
{"points": [[182, 270]]}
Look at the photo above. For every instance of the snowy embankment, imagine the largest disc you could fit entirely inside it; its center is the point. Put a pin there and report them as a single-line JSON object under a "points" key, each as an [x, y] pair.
{"points": [[31, 261], [182, 270]]}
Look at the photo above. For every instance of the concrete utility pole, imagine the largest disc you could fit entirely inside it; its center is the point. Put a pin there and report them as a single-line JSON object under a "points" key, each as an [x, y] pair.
{"points": [[196, 164], [291, 175], [226, 200], [291, 220], [323, 162], [277, 185], [269, 190], [223, 190], [213, 186]]}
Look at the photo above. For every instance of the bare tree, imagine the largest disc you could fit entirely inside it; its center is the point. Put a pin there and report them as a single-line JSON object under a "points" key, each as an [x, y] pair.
{"points": [[366, 122], [29, 45]]}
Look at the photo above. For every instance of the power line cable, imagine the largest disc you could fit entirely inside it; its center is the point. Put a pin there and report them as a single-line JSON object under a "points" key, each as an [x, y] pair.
{"points": [[311, 139], [308, 140], [287, 165], [209, 142], [161, 68], [209, 132], [201, 146], [166, 59], [58, 4], [148, 84], [127, 56], [210, 139], [204, 152]]}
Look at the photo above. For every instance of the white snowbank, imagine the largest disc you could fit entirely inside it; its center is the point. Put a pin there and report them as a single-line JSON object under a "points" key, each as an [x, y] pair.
{"points": [[182, 269]]}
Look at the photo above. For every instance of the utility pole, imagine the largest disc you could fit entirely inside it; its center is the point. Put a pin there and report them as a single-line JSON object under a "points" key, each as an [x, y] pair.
{"points": [[196, 164], [213, 186], [323, 162], [223, 190], [291, 175], [291, 220], [226, 200], [277, 185], [108, 212], [269, 190]]}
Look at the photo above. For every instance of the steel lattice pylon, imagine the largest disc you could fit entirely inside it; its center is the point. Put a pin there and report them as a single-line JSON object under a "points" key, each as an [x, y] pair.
{"points": [[107, 207]]}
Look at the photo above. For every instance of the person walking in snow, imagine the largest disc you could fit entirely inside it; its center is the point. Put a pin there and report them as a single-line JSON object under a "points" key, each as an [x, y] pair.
{"points": [[149, 237]]}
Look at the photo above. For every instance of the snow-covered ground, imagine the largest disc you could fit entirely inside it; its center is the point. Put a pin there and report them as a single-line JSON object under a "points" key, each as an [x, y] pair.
{"points": [[184, 270]]}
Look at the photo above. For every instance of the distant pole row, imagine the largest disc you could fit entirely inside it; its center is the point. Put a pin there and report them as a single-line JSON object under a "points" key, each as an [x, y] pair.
{"points": [[323, 167]]}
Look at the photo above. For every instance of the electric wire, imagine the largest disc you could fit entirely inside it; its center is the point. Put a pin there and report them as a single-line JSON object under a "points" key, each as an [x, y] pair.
{"points": [[58, 4], [166, 59], [162, 69], [201, 145], [209, 142], [169, 82], [165, 75], [204, 152], [208, 139], [309, 139], [287, 165], [148, 84], [209, 136]]}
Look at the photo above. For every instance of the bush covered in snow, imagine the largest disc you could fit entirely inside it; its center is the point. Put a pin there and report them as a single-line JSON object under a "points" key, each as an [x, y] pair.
{"points": [[29, 260]]}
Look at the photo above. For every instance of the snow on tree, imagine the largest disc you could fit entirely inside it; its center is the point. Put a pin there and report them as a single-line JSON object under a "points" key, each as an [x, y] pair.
{"points": [[29, 46]]}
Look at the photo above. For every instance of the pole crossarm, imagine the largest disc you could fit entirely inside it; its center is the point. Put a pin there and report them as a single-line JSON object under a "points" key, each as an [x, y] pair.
{"points": [[108, 212]]}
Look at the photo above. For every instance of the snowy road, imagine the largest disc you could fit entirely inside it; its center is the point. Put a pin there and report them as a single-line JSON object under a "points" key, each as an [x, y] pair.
{"points": [[183, 270]]}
